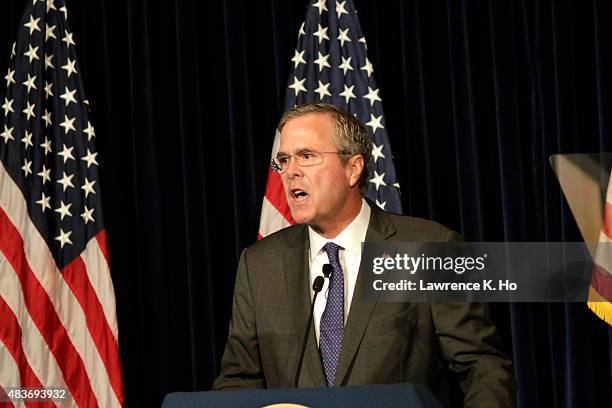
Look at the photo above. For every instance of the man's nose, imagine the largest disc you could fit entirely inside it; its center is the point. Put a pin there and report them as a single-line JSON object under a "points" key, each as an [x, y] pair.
{"points": [[292, 167]]}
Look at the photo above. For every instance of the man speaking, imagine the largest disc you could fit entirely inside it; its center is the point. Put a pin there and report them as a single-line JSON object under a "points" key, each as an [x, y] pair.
{"points": [[324, 160]]}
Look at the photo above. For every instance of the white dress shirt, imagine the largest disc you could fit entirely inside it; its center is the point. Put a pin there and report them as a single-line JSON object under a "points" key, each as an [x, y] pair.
{"points": [[349, 240]]}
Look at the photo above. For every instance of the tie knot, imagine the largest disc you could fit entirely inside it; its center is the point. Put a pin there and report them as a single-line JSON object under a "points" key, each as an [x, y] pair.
{"points": [[332, 250]]}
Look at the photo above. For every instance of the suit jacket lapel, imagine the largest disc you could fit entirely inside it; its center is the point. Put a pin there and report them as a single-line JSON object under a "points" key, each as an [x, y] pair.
{"points": [[297, 278], [379, 229]]}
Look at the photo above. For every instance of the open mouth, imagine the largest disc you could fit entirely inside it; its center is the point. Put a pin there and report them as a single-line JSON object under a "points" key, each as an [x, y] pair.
{"points": [[299, 195]]}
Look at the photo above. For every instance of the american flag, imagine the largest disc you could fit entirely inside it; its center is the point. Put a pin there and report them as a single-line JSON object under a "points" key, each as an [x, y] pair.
{"points": [[600, 293], [330, 65], [57, 302]]}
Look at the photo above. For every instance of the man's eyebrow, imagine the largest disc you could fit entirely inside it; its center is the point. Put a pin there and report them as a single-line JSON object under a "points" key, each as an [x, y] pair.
{"points": [[301, 150]]}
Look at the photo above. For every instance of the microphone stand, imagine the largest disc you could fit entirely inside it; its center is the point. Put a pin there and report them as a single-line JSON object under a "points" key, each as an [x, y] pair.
{"points": [[316, 287]]}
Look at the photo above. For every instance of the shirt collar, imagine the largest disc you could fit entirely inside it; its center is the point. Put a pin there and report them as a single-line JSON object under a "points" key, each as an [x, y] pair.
{"points": [[350, 238]]}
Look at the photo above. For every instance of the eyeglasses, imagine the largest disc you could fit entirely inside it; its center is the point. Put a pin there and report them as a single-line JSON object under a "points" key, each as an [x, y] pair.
{"points": [[308, 158]]}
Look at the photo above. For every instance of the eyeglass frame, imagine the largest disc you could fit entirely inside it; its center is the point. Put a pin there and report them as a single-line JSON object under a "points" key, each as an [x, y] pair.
{"points": [[278, 169]]}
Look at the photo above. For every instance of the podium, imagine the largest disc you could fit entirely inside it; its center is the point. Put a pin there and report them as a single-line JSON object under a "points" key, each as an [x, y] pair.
{"points": [[380, 396]]}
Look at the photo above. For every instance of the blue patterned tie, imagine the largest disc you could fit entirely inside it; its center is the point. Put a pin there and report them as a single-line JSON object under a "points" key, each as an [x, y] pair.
{"points": [[332, 320]]}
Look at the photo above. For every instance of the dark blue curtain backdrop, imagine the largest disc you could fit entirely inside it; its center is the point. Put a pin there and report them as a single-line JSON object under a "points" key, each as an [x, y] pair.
{"points": [[186, 95]]}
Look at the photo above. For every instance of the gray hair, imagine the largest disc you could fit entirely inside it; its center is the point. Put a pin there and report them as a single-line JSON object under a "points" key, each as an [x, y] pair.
{"points": [[351, 136]]}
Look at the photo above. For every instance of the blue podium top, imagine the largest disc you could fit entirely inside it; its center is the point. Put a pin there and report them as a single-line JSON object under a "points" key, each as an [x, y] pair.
{"points": [[367, 396]]}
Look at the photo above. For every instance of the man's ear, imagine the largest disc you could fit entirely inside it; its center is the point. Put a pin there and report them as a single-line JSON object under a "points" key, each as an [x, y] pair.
{"points": [[355, 167]]}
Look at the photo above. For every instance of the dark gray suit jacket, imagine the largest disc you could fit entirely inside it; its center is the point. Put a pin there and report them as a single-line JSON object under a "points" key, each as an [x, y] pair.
{"points": [[384, 342]]}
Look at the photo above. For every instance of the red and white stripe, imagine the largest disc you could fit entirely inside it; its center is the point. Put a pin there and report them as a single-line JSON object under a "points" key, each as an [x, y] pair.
{"points": [[601, 279], [275, 213], [59, 328]]}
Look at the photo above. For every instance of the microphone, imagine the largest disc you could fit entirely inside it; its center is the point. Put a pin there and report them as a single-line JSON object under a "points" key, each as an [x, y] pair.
{"points": [[316, 287], [328, 270]]}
